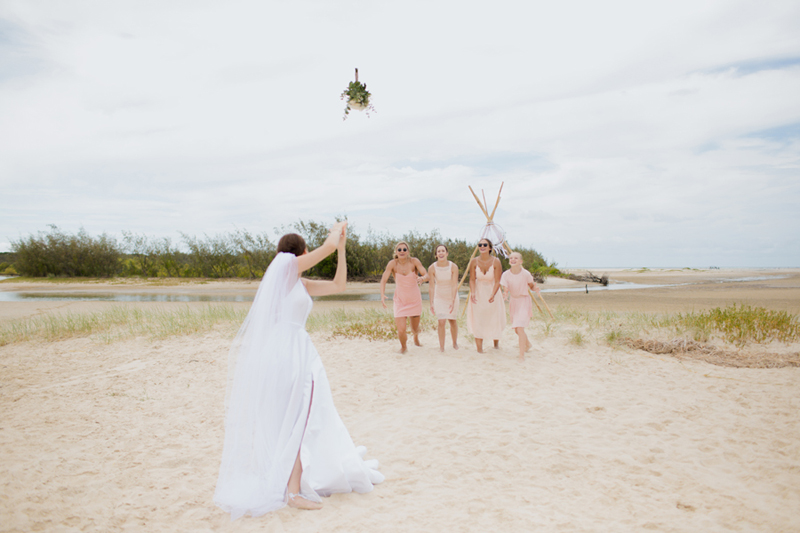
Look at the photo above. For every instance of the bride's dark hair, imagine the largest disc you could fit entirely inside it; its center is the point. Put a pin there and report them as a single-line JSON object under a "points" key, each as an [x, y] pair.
{"points": [[292, 243]]}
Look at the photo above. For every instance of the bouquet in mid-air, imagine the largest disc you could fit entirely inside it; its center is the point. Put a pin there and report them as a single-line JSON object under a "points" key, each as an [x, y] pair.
{"points": [[357, 97]]}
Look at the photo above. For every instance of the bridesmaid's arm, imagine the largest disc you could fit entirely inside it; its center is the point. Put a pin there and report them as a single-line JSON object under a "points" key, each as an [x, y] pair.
{"points": [[498, 272], [421, 269], [432, 285], [454, 280], [384, 279], [471, 268], [494, 291]]}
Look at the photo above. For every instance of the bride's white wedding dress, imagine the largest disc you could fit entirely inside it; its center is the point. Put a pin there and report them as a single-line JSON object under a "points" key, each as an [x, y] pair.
{"points": [[278, 401]]}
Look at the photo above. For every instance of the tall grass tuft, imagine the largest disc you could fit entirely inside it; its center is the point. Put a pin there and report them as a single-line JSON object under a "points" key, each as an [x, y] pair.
{"points": [[577, 338]]}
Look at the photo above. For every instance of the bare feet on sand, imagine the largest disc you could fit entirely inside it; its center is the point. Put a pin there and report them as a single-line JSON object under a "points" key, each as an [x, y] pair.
{"points": [[298, 502], [416, 340]]}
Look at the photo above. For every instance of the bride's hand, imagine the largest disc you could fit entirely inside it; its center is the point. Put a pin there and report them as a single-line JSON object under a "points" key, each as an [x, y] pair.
{"points": [[338, 231]]}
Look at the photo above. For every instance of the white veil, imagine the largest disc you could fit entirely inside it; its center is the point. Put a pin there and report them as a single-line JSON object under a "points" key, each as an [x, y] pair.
{"points": [[260, 426], [265, 313]]}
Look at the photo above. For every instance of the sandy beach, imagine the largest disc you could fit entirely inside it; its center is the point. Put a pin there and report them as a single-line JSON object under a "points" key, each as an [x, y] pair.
{"points": [[127, 435]]}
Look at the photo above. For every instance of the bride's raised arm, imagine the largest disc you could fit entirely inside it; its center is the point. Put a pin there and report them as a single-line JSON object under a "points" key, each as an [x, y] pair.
{"points": [[323, 288], [306, 261]]}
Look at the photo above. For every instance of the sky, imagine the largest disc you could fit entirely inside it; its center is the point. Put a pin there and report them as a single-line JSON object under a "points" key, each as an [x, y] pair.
{"points": [[625, 133]]}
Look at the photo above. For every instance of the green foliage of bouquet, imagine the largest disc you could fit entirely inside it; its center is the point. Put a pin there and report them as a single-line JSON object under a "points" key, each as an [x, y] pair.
{"points": [[357, 97]]}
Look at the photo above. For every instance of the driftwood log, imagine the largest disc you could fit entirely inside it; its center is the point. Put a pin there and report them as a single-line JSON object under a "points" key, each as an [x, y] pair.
{"points": [[602, 280]]}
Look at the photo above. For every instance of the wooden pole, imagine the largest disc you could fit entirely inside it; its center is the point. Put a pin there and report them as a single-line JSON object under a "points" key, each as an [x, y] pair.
{"points": [[467, 269], [486, 213], [547, 306], [491, 218], [534, 301]]}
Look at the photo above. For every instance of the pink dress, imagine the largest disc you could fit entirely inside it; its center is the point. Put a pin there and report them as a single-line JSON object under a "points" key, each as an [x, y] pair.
{"points": [[444, 293], [519, 307], [486, 320], [407, 298]]}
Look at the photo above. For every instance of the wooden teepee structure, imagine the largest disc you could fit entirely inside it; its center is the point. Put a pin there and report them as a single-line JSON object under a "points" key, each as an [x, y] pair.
{"points": [[506, 249]]}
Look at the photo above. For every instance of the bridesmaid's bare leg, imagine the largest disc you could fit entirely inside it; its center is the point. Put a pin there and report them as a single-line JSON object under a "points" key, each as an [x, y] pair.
{"points": [[479, 345], [453, 333], [442, 333], [401, 333], [415, 329], [497, 344], [523, 342]]}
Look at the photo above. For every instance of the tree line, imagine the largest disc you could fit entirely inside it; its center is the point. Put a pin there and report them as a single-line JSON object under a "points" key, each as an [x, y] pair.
{"points": [[236, 254]]}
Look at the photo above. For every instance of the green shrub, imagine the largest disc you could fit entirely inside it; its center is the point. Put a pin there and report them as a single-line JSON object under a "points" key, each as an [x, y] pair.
{"points": [[59, 254], [237, 254]]}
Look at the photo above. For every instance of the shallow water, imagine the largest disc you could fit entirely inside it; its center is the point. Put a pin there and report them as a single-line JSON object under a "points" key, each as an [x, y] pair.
{"points": [[55, 296], [117, 297], [68, 296]]}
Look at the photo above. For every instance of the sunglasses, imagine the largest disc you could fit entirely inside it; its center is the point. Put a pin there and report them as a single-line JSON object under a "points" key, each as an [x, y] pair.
{"points": [[402, 249], [483, 244]]}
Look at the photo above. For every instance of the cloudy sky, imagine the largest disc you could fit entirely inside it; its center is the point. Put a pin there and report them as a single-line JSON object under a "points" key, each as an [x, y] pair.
{"points": [[627, 133]]}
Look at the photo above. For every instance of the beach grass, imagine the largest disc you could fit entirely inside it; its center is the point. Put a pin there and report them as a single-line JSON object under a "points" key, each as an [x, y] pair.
{"points": [[370, 324], [741, 325], [120, 323], [716, 335]]}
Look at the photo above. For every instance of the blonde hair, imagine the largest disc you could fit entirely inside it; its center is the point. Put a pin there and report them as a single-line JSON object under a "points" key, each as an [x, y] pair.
{"points": [[398, 244]]}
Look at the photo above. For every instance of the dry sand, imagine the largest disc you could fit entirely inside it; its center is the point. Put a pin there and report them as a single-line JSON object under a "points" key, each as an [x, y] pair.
{"points": [[128, 436]]}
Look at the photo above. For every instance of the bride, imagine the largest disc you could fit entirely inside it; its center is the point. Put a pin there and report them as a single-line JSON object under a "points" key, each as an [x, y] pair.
{"points": [[284, 440]]}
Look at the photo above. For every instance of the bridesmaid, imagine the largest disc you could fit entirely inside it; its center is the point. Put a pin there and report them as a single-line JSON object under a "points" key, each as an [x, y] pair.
{"points": [[407, 297], [516, 283], [485, 319], [443, 275]]}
